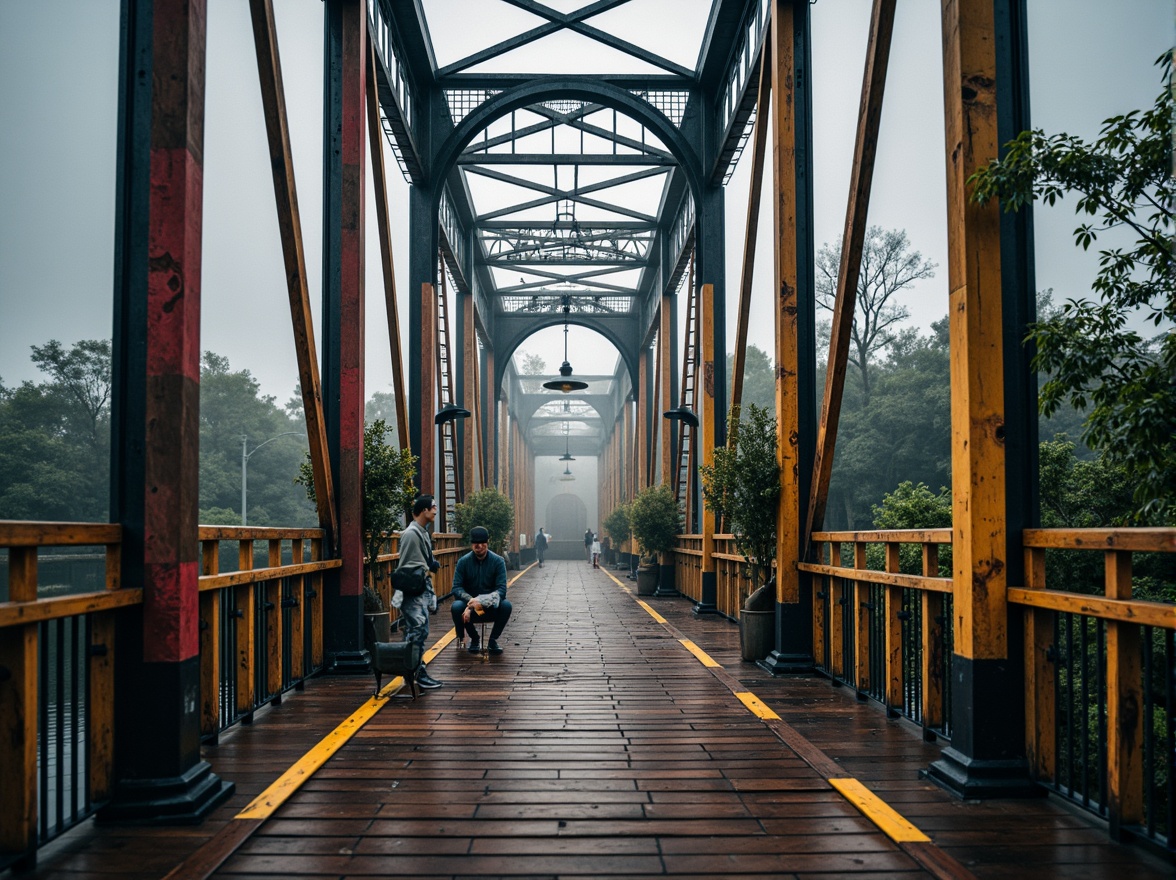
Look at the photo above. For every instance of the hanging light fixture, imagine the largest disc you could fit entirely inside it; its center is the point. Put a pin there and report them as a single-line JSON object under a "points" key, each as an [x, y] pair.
{"points": [[567, 456], [565, 383], [567, 476]]}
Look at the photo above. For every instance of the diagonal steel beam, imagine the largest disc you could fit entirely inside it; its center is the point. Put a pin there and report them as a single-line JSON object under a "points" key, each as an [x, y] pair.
{"points": [[861, 180], [558, 23], [751, 230], [273, 99], [380, 187], [572, 23]]}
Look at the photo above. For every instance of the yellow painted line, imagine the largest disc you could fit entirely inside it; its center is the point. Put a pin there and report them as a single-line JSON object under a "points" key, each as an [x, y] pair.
{"points": [[622, 585], [879, 812], [752, 702], [702, 655], [652, 613], [263, 806], [289, 782]]}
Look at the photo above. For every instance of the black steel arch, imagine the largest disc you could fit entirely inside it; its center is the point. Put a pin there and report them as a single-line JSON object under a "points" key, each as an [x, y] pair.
{"points": [[564, 88], [629, 348], [556, 88]]}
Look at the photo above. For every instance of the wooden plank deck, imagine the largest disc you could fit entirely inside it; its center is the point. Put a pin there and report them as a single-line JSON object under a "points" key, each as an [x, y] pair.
{"points": [[597, 745]]}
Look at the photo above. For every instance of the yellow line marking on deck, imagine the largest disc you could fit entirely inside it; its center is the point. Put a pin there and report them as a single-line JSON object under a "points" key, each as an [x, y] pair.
{"points": [[651, 612], [289, 782], [264, 805], [752, 702], [702, 655], [888, 820]]}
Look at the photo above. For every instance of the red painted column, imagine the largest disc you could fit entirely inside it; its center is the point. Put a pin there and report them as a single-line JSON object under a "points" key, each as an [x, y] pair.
{"points": [[344, 163], [353, 140], [159, 774]]}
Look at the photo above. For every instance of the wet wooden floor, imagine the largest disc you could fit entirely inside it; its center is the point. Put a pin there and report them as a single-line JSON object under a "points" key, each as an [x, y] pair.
{"points": [[597, 745]]}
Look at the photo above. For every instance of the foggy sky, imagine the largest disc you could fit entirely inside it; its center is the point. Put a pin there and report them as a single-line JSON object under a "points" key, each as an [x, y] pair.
{"points": [[58, 113]]}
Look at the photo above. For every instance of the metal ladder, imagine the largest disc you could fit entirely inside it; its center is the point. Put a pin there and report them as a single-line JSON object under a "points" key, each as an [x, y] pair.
{"points": [[450, 474], [686, 444]]}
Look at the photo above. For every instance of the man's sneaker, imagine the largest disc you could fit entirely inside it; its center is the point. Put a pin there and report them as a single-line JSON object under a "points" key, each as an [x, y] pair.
{"points": [[475, 646], [494, 649], [427, 681]]}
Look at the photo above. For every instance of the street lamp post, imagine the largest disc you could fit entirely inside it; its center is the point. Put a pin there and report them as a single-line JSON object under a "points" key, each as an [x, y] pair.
{"points": [[245, 456]]}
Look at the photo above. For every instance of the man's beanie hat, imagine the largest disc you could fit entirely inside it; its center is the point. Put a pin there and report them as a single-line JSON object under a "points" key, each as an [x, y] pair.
{"points": [[479, 535]]}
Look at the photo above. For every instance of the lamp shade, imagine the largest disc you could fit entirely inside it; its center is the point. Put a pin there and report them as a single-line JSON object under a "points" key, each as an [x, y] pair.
{"points": [[565, 382], [683, 414], [449, 412]]}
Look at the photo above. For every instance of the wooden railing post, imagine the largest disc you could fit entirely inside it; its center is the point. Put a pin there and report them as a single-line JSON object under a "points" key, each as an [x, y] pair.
{"points": [[18, 715], [932, 653], [244, 608], [1040, 693], [1125, 715], [210, 643], [893, 630], [861, 624], [273, 626]]}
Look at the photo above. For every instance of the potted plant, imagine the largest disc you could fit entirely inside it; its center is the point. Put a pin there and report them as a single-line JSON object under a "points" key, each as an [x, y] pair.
{"points": [[656, 520], [377, 619], [617, 526], [743, 487]]}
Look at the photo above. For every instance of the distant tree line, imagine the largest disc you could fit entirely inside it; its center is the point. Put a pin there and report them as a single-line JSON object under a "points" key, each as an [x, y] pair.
{"points": [[55, 442]]}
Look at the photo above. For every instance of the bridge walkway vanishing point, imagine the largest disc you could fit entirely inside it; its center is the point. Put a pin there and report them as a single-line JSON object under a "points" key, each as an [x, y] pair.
{"points": [[615, 737]]}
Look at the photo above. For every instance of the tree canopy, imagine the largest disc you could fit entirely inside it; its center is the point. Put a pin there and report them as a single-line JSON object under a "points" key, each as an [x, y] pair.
{"points": [[1095, 357]]}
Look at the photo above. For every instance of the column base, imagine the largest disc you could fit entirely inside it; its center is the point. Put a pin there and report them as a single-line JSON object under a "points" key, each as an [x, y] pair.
{"points": [[973, 778], [180, 800], [704, 608], [349, 663], [781, 663]]}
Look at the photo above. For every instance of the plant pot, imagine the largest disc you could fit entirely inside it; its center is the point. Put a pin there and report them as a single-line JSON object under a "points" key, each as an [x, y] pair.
{"points": [[647, 576], [757, 634], [377, 628]]}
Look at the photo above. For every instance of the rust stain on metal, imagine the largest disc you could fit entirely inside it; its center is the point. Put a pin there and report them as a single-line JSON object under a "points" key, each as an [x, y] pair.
{"points": [[175, 282]]}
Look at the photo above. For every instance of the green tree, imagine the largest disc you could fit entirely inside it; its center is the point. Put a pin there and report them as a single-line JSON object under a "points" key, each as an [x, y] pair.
{"points": [[888, 267], [232, 412], [489, 508], [532, 364], [1094, 360], [55, 436], [388, 488], [381, 405], [912, 506], [759, 379], [901, 432]]}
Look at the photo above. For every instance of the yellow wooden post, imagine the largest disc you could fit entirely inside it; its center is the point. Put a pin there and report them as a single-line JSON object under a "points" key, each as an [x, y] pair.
{"points": [[1125, 702], [986, 756], [18, 713], [705, 390]]}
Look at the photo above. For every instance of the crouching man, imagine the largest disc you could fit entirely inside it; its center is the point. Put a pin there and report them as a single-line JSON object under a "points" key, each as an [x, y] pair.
{"points": [[479, 592]]}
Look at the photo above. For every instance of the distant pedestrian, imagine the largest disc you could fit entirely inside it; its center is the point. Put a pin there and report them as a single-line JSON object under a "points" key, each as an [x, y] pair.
{"points": [[588, 538], [595, 554], [540, 546]]}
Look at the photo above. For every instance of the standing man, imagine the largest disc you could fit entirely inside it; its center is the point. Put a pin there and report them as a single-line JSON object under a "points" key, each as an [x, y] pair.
{"points": [[416, 553], [479, 592], [588, 543], [540, 545]]}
